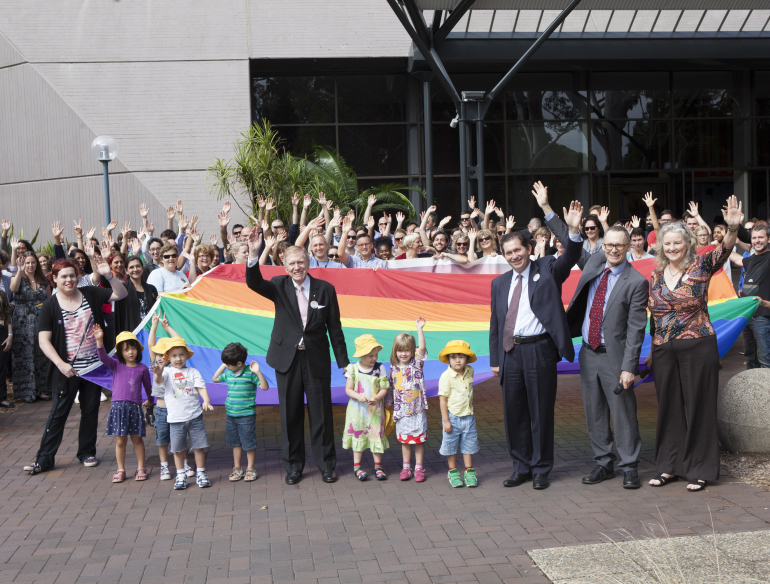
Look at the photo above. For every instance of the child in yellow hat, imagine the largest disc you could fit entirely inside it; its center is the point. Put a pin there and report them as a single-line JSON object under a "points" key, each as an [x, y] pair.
{"points": [[162, 429], [366, 386], [455, 390], [125, 419]]}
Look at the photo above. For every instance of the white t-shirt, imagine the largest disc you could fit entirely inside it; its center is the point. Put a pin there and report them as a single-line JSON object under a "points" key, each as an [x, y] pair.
{"points": [[181, 393], [165, 281]]}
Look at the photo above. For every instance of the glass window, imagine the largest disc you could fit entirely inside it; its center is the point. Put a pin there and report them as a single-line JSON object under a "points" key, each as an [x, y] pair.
{"points": [[710, 191], [446, 196], [631, 145], [630, 95], [762, 93], [552, 96], [703, 95], [762, 150], [521, 203], [371, 98], [703, 143], [759, 195], [300, 140], [375, 150], [551, 145], [294, 100], [446, 149]]}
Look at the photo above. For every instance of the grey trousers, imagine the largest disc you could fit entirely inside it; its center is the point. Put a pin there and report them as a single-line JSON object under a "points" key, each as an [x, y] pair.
{"points": [[598, 383]]}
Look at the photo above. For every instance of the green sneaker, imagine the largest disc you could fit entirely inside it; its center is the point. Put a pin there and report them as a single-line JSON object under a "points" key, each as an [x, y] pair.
{"points": [[470, 478], [454, 478]]}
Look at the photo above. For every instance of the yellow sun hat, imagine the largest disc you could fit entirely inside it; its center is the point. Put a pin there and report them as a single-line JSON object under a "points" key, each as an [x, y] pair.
{"points": [[174, 342], [161, 345], [127, 336], [454, 347], [365, 344]]}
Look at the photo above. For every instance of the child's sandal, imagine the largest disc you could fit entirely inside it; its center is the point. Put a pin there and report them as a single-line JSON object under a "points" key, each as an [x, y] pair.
{"points": [[141, 474], [236, 475], [251, 475], [361, 475], [380, 474], [119, 476]]}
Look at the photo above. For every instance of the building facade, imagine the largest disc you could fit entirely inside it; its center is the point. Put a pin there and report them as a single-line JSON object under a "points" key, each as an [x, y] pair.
{"points": [[616, 104]]}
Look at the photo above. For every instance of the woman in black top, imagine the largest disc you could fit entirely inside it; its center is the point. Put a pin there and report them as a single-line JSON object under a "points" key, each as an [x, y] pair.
{"points": [[66, 337], [140, 298]]}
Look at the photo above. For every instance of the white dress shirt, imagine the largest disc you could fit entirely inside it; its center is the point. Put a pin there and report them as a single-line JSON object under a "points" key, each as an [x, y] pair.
{"points": [[612, 279]]}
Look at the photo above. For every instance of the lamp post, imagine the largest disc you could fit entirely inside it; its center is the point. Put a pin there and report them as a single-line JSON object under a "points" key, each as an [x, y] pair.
{"points": [[104, 149]]}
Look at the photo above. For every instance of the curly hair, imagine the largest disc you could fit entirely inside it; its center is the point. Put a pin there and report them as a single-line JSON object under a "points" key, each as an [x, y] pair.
{"points": [[689, 238]]}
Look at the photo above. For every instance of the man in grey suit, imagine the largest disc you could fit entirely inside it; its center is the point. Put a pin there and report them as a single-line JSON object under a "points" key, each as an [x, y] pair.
{"points": [[609, 310]]}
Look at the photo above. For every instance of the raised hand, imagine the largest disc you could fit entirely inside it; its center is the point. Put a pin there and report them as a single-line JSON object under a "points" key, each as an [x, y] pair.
{"points": [[260, 202], [150, 228], [136, 246], [78, 228], [194, 222], [733, 212], [317, 223], [14, 243], [346, 225], [265, 225], [372, 200], [56, 230], [510, 222], [179, 207], [693, 208], [282, 236], [472, 233], [472, 203], [573, 216], [475, 213], [254, 367], [321, 198], [444, 221], [352, 215], [295, 199], [113, 224], [213, 239], [90, 233], [269, 205], [183, 222], [226, 207], [419, 323], [6, 225], [541, 193], [335, 221], [224, 220], [329, 204], [307, 201], [170, 213], [270, 242], [155, 319], [105, 233], [400, 218], [635, 221], [490, 207], [88, 247], [157, 369], [164, 321], [387, 218], [196, 237], [604, 214], [126, 228], [648, 200], [499, 212], [98, 332], [144, 211], [102, 266], [188, 256]]}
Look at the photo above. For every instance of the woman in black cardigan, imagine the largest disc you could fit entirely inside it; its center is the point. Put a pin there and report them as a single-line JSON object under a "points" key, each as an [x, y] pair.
{"points": [[141, 297]]}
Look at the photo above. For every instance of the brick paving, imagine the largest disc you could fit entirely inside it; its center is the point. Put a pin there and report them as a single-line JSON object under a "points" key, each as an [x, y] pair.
{"points": [[73, 525]]}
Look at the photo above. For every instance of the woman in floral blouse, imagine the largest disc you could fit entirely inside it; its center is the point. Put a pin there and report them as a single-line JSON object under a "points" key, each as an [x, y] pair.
{"points": [[684, 353]]}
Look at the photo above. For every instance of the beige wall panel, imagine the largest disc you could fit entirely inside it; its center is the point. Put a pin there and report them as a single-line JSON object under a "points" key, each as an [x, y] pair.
{"points": [[133, 30], [8, 53], [164, 116], [39, 204], [284, 29], [41, 136]]}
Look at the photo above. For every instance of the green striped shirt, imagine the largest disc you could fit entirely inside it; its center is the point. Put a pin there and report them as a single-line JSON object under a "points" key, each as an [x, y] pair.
{"points": [[241, 392]]}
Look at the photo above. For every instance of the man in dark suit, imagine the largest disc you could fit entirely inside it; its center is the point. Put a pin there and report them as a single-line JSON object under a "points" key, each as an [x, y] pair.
{"points": [[306, 310], [609, 310], [528, 336]]}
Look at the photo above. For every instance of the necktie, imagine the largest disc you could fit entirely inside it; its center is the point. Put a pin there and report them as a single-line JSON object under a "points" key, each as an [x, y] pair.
{"points": [[302, 301], [510, 317], [597, 312]]}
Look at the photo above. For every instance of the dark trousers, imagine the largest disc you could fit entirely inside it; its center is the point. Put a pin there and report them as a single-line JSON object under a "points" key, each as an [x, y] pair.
{"points": [[293, 386], [110, 332], [5, 359], [687, 381], [529, 397], [61, 405]]}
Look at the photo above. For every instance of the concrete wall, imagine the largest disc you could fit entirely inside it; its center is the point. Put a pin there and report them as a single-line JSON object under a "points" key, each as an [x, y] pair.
{"points": [[168, 81]]}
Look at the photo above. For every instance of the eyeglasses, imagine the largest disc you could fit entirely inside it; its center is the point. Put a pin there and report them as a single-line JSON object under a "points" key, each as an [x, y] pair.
{"points": [[353, 237], [485, 239], [398, 238], [170, 256], [333, 256], [590, 228], [363, 245], [154, 249], [459, 243], [614, 246]]}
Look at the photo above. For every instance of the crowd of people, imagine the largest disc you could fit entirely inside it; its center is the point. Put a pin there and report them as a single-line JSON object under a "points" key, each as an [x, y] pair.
{"points": [[60, 315]]}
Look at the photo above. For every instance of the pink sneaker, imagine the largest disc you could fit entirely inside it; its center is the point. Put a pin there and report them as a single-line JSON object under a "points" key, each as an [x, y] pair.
{"points": [[406, 474], [419, 475]]}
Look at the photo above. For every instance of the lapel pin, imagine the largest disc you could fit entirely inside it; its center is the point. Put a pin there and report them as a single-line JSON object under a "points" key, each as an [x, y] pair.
{"points": [[314, 304], [536, 278]]}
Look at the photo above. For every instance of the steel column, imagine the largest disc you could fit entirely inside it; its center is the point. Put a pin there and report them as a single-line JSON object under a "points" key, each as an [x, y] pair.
{"points": [[105, 163], [428, 121]]}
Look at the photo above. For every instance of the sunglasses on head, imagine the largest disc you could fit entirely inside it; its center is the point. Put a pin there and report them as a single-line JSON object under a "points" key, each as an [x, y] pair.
{"points": [[170, 256]]}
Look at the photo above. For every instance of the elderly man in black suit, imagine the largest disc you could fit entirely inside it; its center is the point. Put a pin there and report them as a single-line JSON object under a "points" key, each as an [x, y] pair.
{"points": [[609, 310], [528, 336], [306, 310]]}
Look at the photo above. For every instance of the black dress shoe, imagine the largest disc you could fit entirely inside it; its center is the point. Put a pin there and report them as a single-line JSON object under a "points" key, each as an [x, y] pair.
{"points": [[517, 479], [293, 478], [631, 480], [540, 481], [599, 474], [329, 476]]}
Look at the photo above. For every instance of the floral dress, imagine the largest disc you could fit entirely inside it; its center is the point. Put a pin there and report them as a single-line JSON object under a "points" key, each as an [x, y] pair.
{"points": [[407, 392], [364, 424], [30, 365]]}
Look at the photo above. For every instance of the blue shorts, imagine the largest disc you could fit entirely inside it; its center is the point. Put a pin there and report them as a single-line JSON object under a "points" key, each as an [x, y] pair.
{"points": [[162, 435], [241, 431], [195, 428], [463, 434]]}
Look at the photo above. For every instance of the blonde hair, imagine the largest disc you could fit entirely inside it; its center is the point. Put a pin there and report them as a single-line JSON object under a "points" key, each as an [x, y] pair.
{"points": [[233, 248], [689, 239], [402, 342], [410, 239]]}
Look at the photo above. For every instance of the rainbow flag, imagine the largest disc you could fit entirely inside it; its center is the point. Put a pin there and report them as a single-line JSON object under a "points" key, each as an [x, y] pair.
{"points": [[220, 309]]}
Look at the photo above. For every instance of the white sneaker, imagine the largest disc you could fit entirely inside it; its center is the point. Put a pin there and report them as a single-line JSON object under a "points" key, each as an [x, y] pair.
{"points": [[189, 471], [77, 398], [103, 398], [165, 474]]}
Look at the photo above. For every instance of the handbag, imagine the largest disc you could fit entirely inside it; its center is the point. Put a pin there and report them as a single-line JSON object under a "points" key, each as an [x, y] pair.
{"points": [[390, 422]]}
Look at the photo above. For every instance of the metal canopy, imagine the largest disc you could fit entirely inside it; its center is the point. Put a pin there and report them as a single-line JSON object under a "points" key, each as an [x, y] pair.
{"points": [[600, 4]]}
